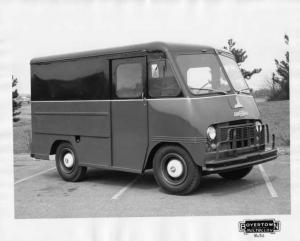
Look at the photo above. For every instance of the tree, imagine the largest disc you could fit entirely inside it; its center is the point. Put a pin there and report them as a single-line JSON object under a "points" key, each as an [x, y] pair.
{"points": [[281, 77], [15, 103], [240, 57]]}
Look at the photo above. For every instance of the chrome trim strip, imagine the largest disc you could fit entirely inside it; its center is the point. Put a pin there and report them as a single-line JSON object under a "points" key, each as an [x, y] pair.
{"points": [[72, 113], [249, 163], [173, 98], [179, 139], [71, 135]]}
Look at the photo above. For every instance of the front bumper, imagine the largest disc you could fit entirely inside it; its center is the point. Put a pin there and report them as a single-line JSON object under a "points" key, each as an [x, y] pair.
{"points": [[241, 161]]}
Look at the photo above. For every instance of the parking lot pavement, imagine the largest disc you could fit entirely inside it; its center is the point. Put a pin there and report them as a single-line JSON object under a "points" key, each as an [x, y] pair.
{"points": [[41, 193]]}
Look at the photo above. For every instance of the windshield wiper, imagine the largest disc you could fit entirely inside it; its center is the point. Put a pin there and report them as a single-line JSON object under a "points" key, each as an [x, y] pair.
{"points": [[241, 91], [213, 90]]}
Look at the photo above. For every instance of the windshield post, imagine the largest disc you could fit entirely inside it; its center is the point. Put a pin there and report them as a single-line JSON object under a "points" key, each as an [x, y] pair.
{"points": [[225, 73]]}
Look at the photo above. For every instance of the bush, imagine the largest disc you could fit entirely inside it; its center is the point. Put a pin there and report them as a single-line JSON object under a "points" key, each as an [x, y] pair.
{"points": [[280, 79], [15, 103]]}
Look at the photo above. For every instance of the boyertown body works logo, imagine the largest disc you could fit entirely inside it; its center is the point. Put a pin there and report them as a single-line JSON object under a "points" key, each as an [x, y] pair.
{"points": [[260, 226]]}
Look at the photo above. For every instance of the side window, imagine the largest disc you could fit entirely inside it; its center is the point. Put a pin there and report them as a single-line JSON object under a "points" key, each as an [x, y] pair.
{"points": [[129, 80], [161, 80], [76, 79]]}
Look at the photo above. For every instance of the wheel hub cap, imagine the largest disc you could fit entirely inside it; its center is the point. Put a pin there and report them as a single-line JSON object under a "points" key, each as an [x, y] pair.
{"points": [[175, 168], [68, 160]]}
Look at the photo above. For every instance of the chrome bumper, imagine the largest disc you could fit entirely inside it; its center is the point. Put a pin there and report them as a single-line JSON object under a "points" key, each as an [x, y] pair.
{"points": [[241, 161]]}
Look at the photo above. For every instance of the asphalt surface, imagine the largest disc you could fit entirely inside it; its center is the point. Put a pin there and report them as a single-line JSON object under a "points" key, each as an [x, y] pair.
{"points": [[41, 193]]}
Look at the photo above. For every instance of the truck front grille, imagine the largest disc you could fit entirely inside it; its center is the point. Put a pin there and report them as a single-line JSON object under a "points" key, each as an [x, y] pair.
{"points": [[239, 137], [242, 136]]}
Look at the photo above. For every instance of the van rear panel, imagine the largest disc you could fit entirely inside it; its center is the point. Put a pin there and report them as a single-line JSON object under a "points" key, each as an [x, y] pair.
{"points": [[67, 106]]}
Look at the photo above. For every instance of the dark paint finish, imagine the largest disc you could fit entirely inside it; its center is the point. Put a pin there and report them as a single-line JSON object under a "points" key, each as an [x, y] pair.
{"points": [[72, 118], [185, 120], [121, 133], [126, 51], [129, 133], [90, 121], [129, 124]]}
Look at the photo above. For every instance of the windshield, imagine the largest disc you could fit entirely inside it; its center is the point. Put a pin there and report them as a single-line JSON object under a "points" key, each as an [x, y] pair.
{"points": [[203, 74], [234, 74]]}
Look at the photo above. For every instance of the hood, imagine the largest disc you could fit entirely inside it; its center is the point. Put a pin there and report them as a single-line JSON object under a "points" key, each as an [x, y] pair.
{"points": [[199, 113], [226, 108]]}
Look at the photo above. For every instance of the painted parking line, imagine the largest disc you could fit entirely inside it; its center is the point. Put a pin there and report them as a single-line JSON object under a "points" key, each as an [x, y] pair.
{"points": [[34, 175], [124, 189], [268, 182]]}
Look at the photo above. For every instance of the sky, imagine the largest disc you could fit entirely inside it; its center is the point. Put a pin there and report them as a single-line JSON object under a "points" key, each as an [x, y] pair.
{"points": [[40, 28]]}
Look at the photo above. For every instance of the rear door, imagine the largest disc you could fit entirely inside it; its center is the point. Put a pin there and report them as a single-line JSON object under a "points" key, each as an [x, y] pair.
{"points": [[129, 113]]}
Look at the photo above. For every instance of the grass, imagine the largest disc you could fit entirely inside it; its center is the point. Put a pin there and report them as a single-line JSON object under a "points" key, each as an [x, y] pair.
{"points": [[22, 131], [275, 113]]}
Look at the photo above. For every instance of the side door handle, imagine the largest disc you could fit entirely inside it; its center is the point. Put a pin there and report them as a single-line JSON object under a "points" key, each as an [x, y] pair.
{"points": [[144, 99]]}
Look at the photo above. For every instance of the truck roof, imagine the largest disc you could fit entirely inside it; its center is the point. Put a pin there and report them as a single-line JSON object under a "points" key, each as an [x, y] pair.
{"points": [[146, 47]]}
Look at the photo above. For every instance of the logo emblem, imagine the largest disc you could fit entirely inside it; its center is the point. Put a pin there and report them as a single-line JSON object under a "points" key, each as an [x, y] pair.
{"points": [[238, 103], [260, 226], [240, 113]]}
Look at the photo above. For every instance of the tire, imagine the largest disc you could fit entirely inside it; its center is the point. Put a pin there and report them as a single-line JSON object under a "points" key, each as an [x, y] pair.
{"points": [[175, 171], [236, 174], [67, 163]]}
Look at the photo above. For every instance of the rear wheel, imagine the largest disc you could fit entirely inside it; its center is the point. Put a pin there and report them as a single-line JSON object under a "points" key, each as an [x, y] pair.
{"points": [[175, 171], [67, 163], [236, 174]]}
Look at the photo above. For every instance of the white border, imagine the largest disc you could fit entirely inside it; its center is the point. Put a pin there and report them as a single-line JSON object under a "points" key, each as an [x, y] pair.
{"points": [[177, 228]]}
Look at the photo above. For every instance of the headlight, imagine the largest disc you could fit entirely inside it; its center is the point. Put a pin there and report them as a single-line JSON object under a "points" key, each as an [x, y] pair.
{"points": [[258, 126], [211, 133]]}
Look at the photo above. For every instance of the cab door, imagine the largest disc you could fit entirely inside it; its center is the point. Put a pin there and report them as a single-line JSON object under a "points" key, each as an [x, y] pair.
{"points": [[129, 113]]}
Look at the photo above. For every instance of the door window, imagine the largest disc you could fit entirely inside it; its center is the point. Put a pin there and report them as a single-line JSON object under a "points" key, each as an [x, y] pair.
{"points": [[129, 80], [161, 80]]}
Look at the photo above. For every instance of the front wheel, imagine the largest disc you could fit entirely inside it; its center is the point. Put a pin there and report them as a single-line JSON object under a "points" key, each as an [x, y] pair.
{"points": [[67, 163], [236, 174], [175, 171]]}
